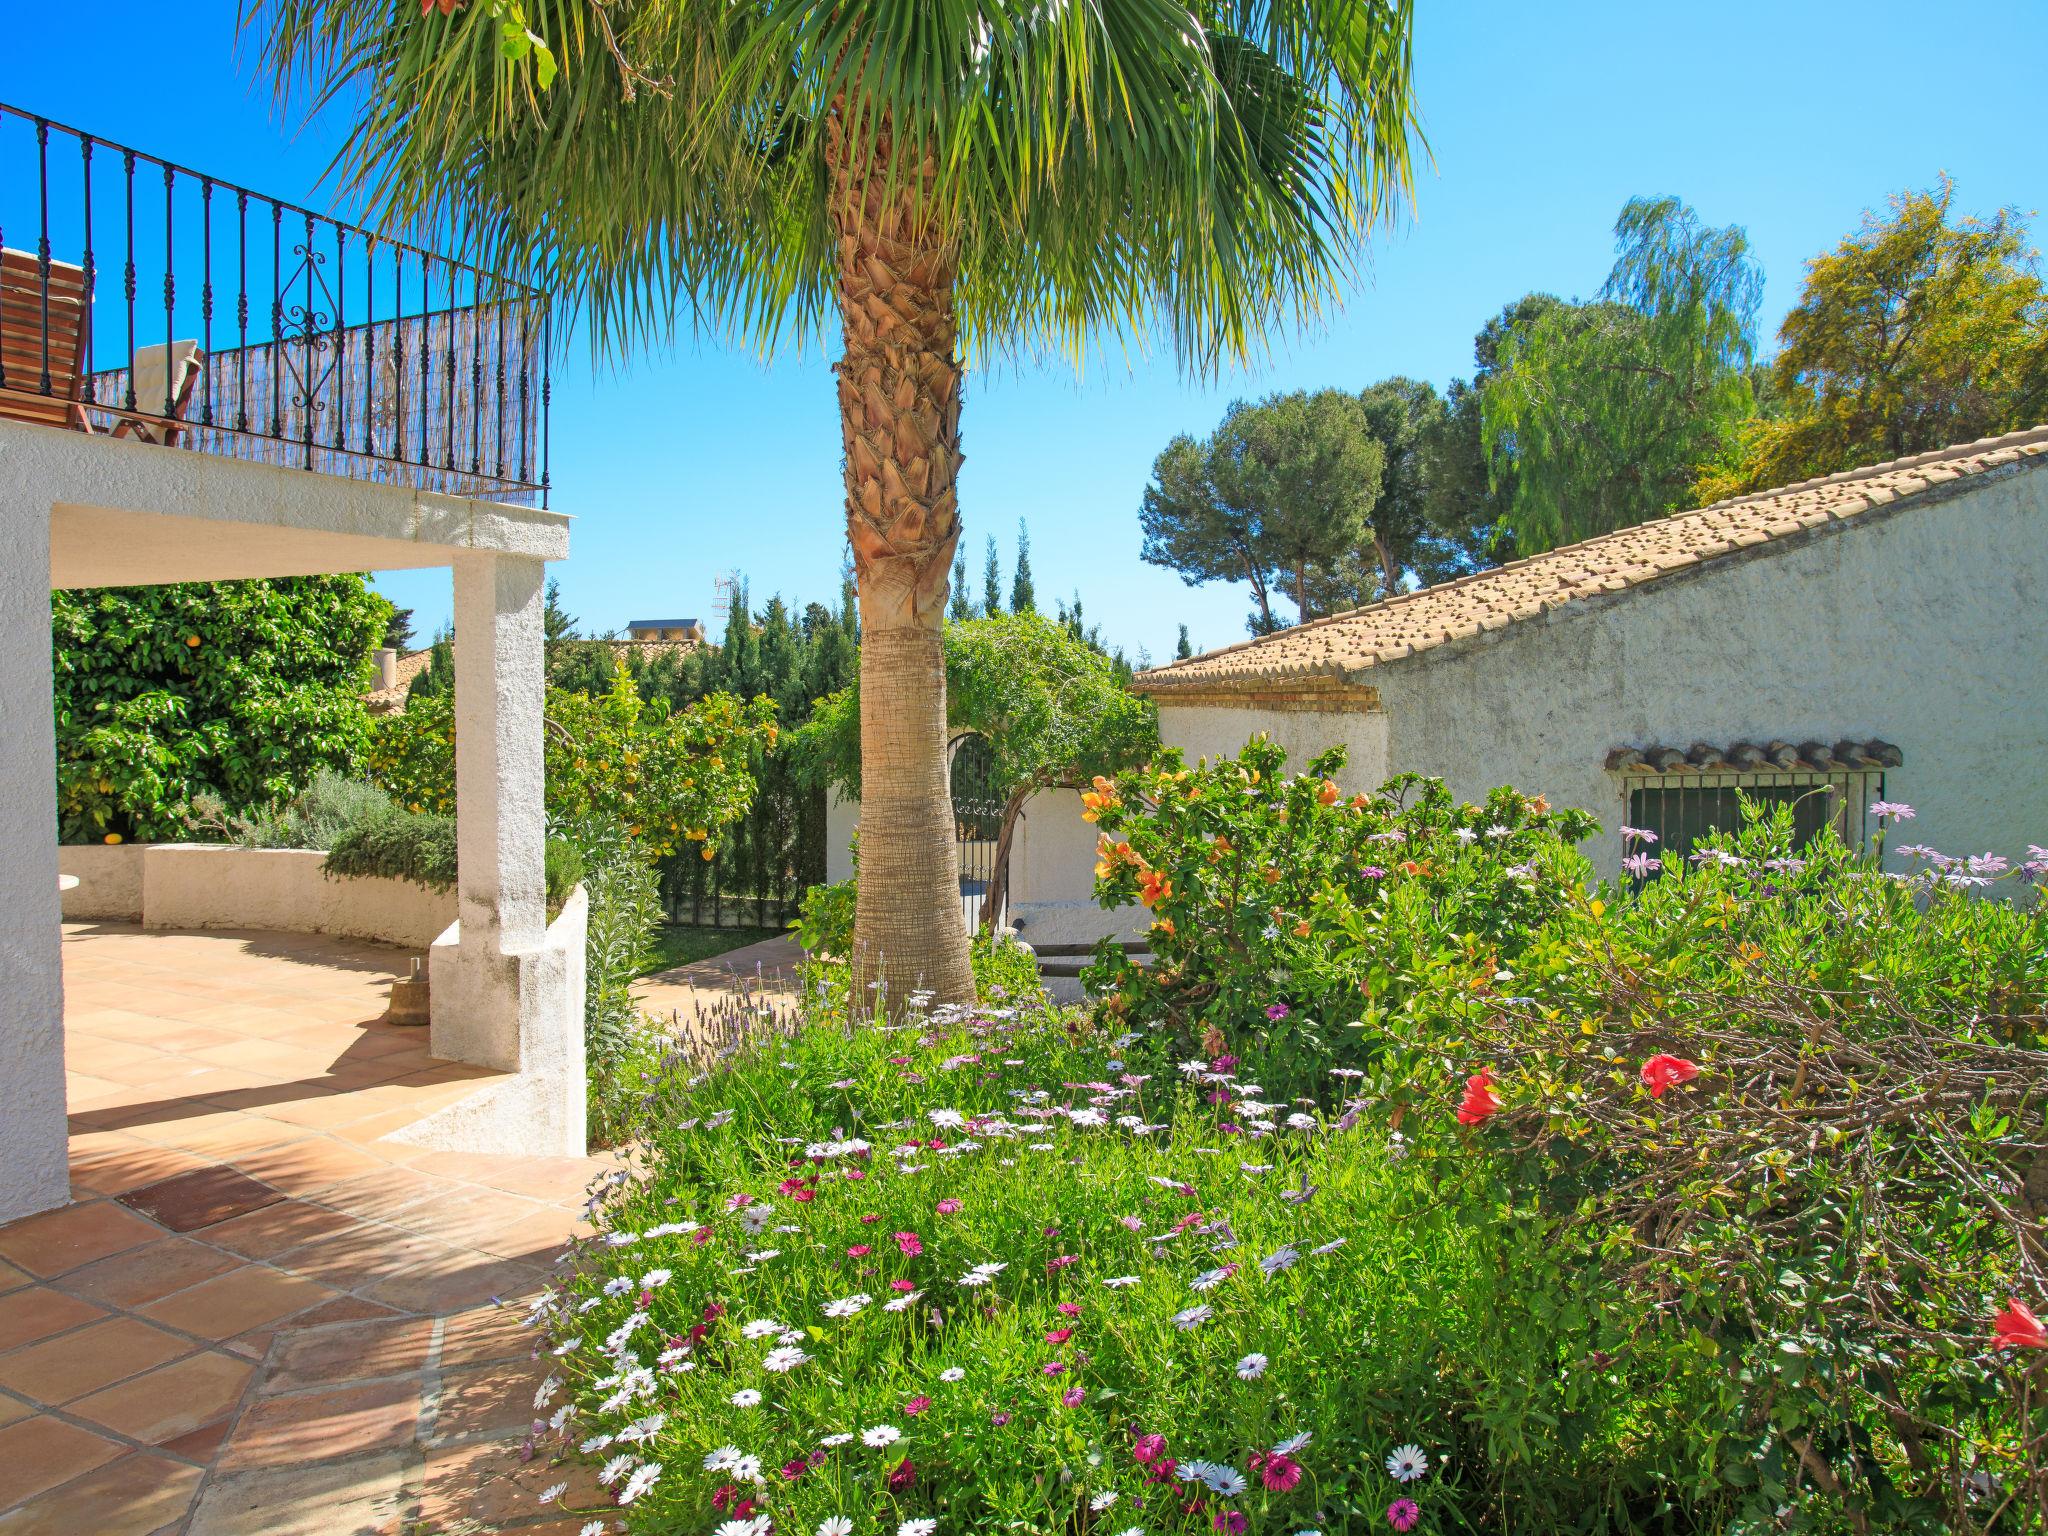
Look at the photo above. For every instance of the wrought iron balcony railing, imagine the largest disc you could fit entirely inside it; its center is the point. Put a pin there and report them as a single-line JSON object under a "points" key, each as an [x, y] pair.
{"points": [[256, 329]]}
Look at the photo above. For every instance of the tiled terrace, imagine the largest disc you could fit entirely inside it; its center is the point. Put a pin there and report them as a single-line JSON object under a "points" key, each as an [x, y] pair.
{"points": [[263, 1315]]}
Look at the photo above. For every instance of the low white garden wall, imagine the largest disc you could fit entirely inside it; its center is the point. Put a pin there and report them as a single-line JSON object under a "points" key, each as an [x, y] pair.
{"points": [[284, 890]]}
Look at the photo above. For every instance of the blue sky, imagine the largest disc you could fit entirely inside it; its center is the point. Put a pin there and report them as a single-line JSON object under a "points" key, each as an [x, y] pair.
{"points": [[1789, 118]]}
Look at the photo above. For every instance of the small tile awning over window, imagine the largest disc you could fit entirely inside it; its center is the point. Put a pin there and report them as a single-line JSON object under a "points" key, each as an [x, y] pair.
{"points": [[1751, 757]]}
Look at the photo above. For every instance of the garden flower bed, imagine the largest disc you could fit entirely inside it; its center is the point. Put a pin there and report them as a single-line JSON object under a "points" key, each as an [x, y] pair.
{"points": [[1674, 1209]]}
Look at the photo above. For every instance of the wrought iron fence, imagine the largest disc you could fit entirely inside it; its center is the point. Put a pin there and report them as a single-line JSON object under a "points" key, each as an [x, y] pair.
{"points": [[253, 328], [978, 801]]}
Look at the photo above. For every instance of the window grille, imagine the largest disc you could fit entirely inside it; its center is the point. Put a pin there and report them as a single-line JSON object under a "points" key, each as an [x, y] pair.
{"points": [[1683, 796]]}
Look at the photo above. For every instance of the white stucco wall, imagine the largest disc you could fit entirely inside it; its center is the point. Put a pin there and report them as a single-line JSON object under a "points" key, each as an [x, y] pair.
{"points": [[1924, 627], [1210, 730], [109, 880], [280, 890]]}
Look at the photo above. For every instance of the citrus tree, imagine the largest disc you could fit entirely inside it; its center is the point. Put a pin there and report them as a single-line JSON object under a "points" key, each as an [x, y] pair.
{"points": [[945, 177], [670, 778]]}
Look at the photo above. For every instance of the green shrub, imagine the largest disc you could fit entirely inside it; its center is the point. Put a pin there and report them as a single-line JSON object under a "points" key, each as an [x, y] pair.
{"points": [[327, 807], [397, 846], [625, 910], [824, 920], [238, 689], [1284, 910]]}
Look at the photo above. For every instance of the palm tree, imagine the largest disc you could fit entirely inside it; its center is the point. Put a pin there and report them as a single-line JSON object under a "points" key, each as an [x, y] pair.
{"points": [[953, 177]]}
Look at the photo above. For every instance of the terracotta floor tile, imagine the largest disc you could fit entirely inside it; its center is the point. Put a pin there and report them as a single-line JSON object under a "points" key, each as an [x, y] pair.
{"points": [[308, 1166], [37, 1313], [142, 1275], [481, 1485], [133, 1496], [439, 1287], [537, 1239], [202, 1444], [486, 1335], [237, 1301], [41, 1453], [386, 1191], [11, 1278], [363, 1496], [171, 1400], [73, 1364], [200, 1198], [347, 1421], [270, 1231], [327, 1357], [488, 1399], [117, 1172], [58, 1240], [466, 1215], [13, 1408], [363, 1255], [343, 1309]]}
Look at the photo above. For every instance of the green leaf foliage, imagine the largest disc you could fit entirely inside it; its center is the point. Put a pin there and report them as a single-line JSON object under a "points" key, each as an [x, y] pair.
{"points": [[1193, 174], [241, 690], [1926, 327], [1604, 410], [1051, 707]]}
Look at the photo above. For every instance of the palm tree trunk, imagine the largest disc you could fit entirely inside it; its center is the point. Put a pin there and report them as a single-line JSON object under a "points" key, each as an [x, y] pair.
{"points": [[899, 411]]}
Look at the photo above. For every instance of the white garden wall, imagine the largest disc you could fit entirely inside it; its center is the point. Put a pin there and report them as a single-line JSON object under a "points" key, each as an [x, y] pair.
{"points": [[191, 885]]}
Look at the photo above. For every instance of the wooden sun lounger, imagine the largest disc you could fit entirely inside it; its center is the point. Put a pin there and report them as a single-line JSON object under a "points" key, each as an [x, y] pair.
{"points": [[39, 333]]}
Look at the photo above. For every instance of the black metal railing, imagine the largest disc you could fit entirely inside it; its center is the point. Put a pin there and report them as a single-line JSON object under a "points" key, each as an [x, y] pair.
{"points": [[256, 329]]}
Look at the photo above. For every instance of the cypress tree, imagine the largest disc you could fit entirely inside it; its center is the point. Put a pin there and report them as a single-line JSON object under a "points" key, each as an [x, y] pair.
{"points": [[1022, 598]]}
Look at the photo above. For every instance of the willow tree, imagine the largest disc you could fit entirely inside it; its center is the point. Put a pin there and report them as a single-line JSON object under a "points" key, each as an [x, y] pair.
{"points": [[950, 179]]}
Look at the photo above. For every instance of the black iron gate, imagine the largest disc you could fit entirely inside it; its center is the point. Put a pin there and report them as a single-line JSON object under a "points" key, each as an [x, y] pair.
{"points": [[978, 801]]}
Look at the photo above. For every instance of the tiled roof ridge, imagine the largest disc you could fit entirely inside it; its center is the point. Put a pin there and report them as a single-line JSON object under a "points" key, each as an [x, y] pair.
{"points": [[1193, 668]]}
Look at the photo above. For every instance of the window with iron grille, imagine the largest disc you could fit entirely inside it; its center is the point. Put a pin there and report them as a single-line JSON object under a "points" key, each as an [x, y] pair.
{"points": [[1683, 796]]}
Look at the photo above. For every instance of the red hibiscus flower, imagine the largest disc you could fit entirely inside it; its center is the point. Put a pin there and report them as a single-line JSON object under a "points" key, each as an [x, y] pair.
{"points": [[1661, 1072], [2017, 1327], [1480, 1101]]}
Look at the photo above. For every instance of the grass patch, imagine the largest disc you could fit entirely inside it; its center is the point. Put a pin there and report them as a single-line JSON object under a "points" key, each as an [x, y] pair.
{"points": [[681, 944]]}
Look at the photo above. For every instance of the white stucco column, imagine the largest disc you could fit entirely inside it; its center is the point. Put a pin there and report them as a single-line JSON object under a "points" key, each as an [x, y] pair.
{"points": [[501, 828], [34, 1160], [507, 989]]}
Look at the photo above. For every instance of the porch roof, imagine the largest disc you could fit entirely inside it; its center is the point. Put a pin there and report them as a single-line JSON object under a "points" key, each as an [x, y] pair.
{"points": [[129, 513]]}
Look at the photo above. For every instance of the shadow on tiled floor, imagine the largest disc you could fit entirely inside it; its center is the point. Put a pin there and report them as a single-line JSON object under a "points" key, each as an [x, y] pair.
{"points": [[261, 1315]]}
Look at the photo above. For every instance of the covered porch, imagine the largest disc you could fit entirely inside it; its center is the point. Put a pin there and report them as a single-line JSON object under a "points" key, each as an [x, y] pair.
{"points": [[267, 1311]]}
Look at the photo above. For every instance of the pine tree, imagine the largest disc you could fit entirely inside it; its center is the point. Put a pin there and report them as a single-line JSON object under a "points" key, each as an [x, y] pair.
{"points": [[991, 583], [1022, 598]]}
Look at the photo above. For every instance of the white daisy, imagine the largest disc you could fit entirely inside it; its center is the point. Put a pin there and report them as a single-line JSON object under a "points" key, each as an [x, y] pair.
{"points": [[832, 1440], [598, 1443], [592, 1528], [640, 1482], [760, 1328], [1192, 1317], [720, 1459], [1292, 1444], [1122, 1282], [552, 1492], [952, 1373], [785, 1358], [1208, 1279], [917, 1528], [1252, 1366], [902, 1303], [881, 1435], [740, 1528], [835, 1525], [1195, 1471], [847, 1306], [617, 1468], [1283, 1258], [1407, 1463], [655, 1279], [746, 1397], [1227, 1482], [1100, 1502], [746, 1470], [1330, 1247]]}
